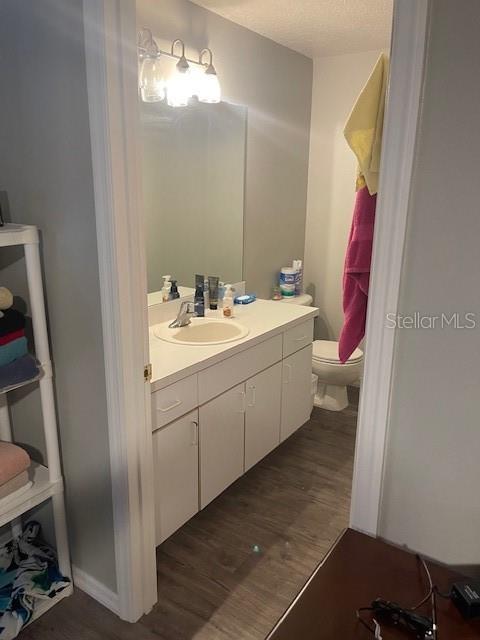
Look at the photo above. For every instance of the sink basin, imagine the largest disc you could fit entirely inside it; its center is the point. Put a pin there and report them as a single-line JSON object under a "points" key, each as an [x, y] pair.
{"points": [[203, 331]]}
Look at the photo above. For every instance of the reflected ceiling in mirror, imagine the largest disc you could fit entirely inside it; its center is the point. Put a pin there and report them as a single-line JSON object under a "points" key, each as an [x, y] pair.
{"points": [[193, 166]]}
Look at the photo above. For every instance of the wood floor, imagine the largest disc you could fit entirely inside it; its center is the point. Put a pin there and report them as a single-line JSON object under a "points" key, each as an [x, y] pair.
{"points": [[232, 570]]}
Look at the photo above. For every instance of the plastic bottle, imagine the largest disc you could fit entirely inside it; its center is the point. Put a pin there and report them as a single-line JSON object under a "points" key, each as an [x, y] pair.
{"points": [[221, 293], [228, 301], [174, 294], [166, 288], [199, 301], [298, 265]]}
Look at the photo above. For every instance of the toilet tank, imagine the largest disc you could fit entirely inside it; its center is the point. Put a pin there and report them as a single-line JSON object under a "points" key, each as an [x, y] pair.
{"points": [[304, 299]]}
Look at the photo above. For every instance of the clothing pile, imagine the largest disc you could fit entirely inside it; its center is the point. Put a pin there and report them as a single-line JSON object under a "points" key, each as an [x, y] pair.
{"points": [[28, 574], [16, 364]]}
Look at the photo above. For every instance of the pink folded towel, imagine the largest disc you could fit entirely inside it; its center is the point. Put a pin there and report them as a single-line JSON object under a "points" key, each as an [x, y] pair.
{"points": [[13, 460], [14, 484], [356, 274]]}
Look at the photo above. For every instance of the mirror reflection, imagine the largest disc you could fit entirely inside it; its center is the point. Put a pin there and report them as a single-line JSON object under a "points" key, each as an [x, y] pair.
{"points": [[193, 169]]}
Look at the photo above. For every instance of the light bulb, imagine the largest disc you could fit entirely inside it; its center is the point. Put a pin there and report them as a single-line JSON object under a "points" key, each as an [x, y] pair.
{"points": [[152, 82], [209, 86], [180, 85]]}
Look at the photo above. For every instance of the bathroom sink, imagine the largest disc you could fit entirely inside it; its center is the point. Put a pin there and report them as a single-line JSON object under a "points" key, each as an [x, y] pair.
{"points": [[202, 332]]}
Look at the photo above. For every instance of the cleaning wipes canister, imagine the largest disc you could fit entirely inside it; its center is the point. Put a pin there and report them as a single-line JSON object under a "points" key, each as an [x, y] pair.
{"points": [[288, 277]]}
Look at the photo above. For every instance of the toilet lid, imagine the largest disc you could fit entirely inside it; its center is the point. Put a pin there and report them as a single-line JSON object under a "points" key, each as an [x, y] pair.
{"points": [[327, 351]]}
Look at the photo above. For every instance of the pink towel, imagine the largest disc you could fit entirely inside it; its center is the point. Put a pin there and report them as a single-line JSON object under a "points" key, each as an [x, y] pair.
{"points": [[13, 460], [357, 274]]}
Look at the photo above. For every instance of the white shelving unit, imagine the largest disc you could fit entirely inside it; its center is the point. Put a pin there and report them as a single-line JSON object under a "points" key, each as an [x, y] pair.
{"points": [[46, 481]]}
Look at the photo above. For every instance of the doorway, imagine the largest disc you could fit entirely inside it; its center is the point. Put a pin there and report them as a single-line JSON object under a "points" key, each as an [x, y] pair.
{"points": [[123, 274]]}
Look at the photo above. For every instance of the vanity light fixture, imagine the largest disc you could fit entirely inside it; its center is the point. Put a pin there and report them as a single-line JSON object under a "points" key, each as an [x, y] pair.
{"points": [[182, 84], [209, 86], [151, 80]]}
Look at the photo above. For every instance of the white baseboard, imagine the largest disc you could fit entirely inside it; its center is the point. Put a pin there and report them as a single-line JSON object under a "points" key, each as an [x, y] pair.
{"points": [[95, 589]]}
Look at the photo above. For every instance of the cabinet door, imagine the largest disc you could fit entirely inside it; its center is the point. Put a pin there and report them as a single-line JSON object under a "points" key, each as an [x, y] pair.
{"points": [[175, 455], [222, 442], [262, 418], [296, 391]]}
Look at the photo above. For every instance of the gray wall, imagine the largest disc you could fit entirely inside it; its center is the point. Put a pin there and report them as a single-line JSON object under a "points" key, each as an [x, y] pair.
{"points": [[430, 495], [275, 84], [45, 165]]}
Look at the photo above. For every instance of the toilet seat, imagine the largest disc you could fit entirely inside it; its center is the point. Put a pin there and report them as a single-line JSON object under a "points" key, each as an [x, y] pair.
{"points": [[326, 351]]}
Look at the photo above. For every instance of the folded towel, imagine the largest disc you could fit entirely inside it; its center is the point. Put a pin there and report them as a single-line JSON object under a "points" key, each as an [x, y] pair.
{"points": [[12, 320], [13, 350], [10, 337], [18, 371], [13, 460], [14, 484]]}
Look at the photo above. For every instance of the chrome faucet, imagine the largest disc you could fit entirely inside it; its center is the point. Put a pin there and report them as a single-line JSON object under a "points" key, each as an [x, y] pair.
{"points": [[186, 312]]}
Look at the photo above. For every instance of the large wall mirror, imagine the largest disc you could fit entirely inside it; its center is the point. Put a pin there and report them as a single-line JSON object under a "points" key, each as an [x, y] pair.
{"points": [[193, 181]]}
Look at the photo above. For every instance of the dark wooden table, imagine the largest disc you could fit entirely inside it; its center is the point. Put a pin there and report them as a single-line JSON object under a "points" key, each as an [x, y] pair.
{"points": [[357, 570]]}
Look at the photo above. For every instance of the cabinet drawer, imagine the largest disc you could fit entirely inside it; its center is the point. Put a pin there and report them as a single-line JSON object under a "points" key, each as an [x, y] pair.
{"points": [[297, 337], [225, 375], [174, 401]]}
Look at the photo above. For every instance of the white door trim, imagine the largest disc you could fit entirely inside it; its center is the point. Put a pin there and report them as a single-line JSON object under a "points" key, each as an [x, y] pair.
{"points": [[111, 61], [110, 37], [410, 27]]}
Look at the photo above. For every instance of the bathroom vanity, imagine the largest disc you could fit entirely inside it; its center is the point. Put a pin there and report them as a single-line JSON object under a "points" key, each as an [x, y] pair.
{"points": [[218, 409]]}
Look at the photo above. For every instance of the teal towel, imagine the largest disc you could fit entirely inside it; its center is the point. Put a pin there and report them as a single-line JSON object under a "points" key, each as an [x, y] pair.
{"points": [[13, 350]]}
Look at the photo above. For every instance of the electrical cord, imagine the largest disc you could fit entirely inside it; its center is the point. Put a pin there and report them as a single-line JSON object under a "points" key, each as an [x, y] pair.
{"points": [[392, 613]]}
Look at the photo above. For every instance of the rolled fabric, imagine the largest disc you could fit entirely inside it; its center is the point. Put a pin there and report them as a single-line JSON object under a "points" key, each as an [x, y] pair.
{"points": [[13, 350], [11, 321], [13, 460], [6, 298], [18, 371], [10, 337]]}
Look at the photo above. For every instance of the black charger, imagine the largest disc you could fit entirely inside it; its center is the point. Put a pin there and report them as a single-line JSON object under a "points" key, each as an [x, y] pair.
{"points": [[466, 596]]}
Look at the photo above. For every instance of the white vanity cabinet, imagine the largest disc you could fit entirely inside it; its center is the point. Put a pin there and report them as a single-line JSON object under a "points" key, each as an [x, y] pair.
{"points": [[175, 467], [296, 391], [214, 425], [222, 438], [262, 414]]}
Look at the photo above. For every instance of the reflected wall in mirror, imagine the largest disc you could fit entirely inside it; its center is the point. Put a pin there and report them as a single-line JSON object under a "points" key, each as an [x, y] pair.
{"points": [[193, 169]]}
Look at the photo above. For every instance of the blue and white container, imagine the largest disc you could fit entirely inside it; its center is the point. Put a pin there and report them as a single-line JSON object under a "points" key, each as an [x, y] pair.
{"points": [[288, 277]]}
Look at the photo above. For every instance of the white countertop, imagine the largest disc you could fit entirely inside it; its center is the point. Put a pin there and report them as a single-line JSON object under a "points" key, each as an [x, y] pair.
{"points": [[264, 318]]}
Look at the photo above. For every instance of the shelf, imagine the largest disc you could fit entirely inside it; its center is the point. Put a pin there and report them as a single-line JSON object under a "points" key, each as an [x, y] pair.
{"points": [[41, 489], [16, 234], [12, 387]]}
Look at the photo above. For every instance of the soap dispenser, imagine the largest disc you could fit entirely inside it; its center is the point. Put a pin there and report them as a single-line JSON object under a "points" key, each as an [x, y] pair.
{"points": [[228, 301], [166, 288]]}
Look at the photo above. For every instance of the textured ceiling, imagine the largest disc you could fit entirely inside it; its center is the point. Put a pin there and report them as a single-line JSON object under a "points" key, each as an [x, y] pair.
{"points": [[313, 27]]}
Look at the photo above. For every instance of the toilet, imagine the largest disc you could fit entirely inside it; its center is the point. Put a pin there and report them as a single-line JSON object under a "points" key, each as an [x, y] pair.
{"points": [[333, 376]]}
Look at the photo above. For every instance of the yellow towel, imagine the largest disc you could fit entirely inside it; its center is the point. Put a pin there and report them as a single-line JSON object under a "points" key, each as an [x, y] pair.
{"points": [[364, 127]]}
